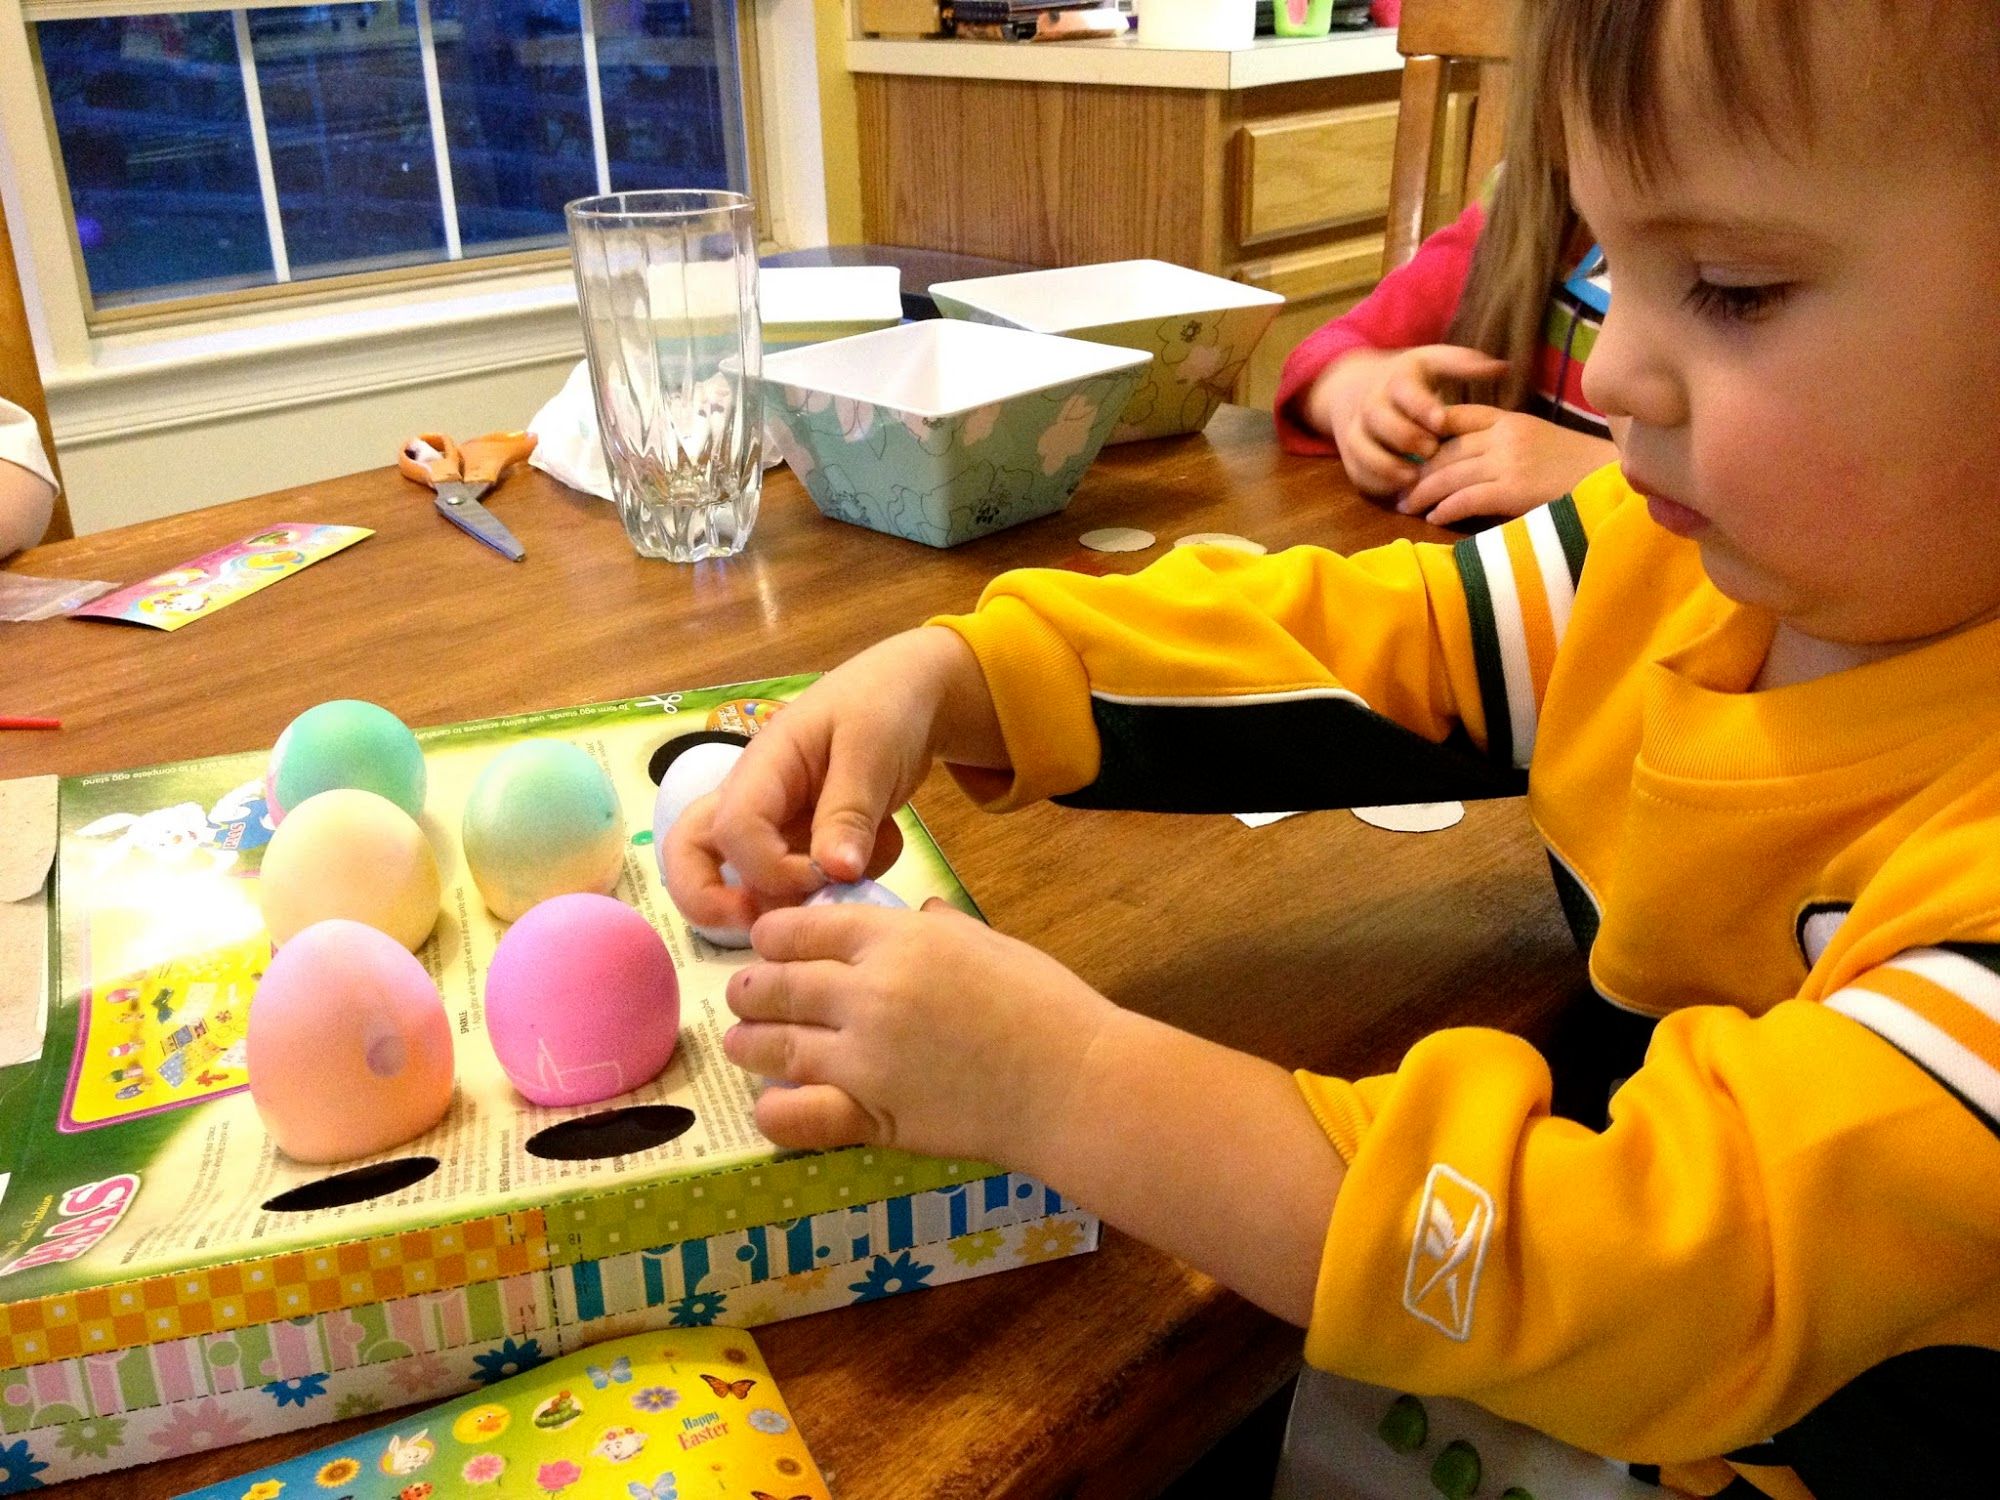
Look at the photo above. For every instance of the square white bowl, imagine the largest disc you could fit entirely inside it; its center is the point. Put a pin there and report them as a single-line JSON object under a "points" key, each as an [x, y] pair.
{"points": [[808, 304], [1201, 329], [942, 430]]}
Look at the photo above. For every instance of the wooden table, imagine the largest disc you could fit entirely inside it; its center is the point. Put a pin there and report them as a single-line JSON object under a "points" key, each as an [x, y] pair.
{"points": [[1318, 941]]}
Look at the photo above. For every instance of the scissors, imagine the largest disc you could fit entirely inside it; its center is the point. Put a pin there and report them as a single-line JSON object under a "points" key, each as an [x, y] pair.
{"points": [[462, 473]]}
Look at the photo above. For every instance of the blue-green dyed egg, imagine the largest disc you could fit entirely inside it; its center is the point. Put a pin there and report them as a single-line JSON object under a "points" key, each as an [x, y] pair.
{"points": [[542, 821], [345, 743]]}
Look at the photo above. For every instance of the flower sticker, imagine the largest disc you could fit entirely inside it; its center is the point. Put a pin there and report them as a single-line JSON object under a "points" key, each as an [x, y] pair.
{"points": [[265, 1489], [888, 1277], [656, 1398], [483, 1468], [768, 1421], [1068, 435], [1050, 1240], [333, 1475], [972, 1249], [556, 1477], [507, 1360]]}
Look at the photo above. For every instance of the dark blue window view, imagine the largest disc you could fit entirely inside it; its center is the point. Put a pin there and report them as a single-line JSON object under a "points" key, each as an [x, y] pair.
{"points": [[350, 130], [156, 143], [174, 194]]}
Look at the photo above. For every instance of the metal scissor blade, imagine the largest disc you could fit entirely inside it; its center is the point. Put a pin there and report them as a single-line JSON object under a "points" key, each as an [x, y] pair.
{"points": [[459, 503]]}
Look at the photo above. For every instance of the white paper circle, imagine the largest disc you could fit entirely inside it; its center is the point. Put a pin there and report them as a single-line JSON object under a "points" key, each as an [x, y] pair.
{"points": [[1413, 817], [1118, 539], [1227, 539]]}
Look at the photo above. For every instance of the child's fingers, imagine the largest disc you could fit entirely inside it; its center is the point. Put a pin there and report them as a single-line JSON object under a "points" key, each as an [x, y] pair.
{"points": [[1456, 362], [816, 1117], [805, 993], [1469, 416], [766, 792], [771, 1049], [1440, 480], [1490, 498], [694, 873], [1382, 467], [794, 933], [853, 804], [1397, 429], [1417, 402]]}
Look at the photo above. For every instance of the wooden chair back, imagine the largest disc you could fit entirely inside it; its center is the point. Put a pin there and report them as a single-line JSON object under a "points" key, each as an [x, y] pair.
{"points": [[20, 376], [1446, 45]]}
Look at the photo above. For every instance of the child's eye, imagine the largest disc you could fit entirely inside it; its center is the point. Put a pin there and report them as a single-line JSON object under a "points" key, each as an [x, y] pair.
{"points": [[1736, 304]]}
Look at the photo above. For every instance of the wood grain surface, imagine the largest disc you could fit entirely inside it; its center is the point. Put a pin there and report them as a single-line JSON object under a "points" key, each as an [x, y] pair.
{"points": [[1317, 941]]}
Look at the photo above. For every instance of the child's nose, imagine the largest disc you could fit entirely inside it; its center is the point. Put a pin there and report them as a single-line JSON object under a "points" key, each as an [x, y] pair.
{"points": [[1630, 372]]}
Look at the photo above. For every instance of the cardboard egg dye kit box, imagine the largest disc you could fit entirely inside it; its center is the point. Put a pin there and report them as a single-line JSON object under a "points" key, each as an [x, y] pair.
{"points": [[169, 1281]]}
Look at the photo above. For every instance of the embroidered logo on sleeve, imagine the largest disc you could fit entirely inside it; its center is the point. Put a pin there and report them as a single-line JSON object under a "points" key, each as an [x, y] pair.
{"points": [[1454, 1218]]}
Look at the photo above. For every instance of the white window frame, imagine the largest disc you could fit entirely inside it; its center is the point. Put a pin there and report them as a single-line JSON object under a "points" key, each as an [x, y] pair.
{"points": [[272, 354]]}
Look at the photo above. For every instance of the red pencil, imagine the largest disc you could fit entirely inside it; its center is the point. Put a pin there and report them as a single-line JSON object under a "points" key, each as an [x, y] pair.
{"points": [[7, 722]]}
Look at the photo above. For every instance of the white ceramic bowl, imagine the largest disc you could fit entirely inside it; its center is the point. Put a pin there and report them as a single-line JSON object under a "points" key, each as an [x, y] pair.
{"points": [[1200, 329], [943, 430]]}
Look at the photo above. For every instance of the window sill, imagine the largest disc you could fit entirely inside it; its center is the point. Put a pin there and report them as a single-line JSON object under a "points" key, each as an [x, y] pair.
{"points": [[268, 361]]}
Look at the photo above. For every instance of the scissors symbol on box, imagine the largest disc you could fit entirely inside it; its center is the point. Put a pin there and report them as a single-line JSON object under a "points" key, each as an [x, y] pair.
{"points": [[462, 473]]}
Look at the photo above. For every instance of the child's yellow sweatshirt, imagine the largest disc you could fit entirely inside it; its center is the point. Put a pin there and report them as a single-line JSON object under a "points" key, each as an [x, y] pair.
{"points": [[1785, 1243]]}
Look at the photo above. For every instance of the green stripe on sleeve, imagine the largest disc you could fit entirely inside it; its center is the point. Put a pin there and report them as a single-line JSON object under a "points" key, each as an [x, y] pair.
{"points": [[1569, 529], [1486, 651]]}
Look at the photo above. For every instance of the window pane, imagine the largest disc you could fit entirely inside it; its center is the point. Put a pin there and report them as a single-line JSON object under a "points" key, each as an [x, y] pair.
{"points": [[517, 113], [350, 133], [673, 94], [155, 140]]}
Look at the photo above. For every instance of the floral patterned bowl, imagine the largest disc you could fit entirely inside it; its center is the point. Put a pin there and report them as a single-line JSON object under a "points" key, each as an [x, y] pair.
{"points": [[1200, 329], [942, 431]]}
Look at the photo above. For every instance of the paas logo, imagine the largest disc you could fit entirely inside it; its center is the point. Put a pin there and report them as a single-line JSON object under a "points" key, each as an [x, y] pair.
{"points": [[1454, 1218], [84, 1216]]}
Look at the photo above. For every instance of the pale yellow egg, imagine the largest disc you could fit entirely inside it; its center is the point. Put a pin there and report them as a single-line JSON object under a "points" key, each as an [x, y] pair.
{"points": [[348, 853]]}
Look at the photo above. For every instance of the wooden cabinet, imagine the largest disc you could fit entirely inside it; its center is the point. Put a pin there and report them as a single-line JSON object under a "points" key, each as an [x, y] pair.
{"points": [[1285, 186]]}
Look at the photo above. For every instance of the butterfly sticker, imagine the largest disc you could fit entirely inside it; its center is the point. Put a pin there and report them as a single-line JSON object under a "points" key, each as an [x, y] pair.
{"points": [[621, 1371], [740, 1389], [660, 1489]]}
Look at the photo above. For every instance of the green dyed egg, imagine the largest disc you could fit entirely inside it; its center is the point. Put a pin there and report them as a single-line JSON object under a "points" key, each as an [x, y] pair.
{"points": [[345, 744], [542, 821]]}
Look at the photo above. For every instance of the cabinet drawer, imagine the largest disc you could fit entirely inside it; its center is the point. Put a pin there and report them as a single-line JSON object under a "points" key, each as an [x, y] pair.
{"points": [[1306, 172]]}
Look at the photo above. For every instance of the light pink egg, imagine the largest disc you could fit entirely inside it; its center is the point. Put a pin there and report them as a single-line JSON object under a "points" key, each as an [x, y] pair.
{"points": [[349, 1046], [582, 1001]]}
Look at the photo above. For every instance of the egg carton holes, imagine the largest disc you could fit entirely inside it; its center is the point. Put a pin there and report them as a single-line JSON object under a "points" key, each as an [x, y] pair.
{"points": [[358, 1185], [611, 1132]]}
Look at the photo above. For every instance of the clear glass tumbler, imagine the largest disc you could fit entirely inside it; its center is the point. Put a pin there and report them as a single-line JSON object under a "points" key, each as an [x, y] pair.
{"points": [[667, 283]]}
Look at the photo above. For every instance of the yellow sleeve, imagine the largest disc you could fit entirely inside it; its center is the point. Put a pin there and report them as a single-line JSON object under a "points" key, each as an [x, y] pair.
{"points": [[1777, 1205], [1122, 683]]}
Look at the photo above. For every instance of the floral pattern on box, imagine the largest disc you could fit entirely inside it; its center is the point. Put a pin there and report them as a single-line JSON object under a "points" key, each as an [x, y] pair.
{"points": [[200, 1401], [1197, 359], [946, 480]]}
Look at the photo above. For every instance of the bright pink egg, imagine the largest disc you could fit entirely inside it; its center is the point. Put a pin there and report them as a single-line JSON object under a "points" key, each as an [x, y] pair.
{"points": [[582, 1001]]}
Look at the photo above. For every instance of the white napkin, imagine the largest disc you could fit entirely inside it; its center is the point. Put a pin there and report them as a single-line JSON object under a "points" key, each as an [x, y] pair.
{"points": [[567, 445]]}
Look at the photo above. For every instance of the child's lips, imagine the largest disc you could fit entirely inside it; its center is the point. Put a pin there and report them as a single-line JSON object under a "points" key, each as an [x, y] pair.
{"points": [[1668, 514]]}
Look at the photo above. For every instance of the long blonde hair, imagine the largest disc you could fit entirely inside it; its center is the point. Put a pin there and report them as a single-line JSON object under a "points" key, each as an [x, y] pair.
{"points": [[1529, 224]]}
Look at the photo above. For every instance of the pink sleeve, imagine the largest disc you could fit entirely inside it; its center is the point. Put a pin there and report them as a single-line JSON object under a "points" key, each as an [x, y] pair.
{"points": [[1412, 305]]}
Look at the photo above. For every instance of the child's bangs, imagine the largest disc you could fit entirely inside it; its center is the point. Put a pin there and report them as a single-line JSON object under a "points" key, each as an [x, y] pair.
{"points": [[1751, 67], [1610, 63]]}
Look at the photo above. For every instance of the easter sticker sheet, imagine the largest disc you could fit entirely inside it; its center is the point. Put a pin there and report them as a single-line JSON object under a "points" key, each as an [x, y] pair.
{"points": [[137, 1146]]}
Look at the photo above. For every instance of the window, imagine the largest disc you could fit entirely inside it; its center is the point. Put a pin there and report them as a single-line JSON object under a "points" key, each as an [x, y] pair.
{"points": [[209, 153]]}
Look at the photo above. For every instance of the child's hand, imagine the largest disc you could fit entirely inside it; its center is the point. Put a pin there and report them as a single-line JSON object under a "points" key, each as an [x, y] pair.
{"points": [[813, 797], [1383, 408], [1501, 463], [925, 1030]]}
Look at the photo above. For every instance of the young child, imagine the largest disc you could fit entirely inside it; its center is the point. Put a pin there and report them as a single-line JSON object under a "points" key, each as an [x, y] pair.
{"points": [[1755, 679], [27, 484], [1503, 306]]}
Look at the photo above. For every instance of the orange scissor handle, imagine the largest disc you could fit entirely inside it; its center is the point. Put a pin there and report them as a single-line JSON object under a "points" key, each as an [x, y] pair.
{"points": [[482, 460], [429, 470]]}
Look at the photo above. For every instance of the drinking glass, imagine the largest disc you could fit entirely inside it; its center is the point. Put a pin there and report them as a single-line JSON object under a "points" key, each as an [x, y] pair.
{"points": [[667, 284]]}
